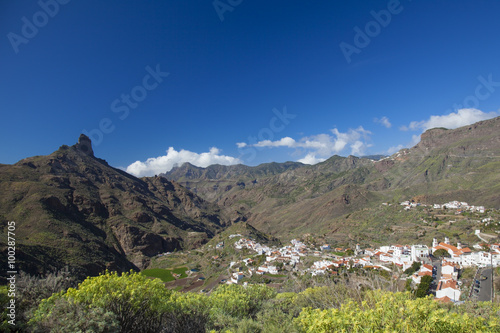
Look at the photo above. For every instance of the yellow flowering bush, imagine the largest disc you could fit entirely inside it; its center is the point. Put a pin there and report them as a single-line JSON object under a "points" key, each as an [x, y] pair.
{"points": [[391, 312]]}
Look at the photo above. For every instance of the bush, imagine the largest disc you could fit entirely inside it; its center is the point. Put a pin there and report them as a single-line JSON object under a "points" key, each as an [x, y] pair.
{"points": [[30, 290], [230, 304], [391, 312], [137, 302], [69, 316]]}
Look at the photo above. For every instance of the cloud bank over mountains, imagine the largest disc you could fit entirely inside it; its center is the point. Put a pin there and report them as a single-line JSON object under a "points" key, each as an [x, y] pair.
{"points": [[452, 120], [156, 165], [321, 146], [461, 117], [315, 148]]}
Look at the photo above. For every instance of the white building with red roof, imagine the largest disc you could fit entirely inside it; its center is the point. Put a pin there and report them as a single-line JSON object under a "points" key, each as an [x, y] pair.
{"points": [[448, 288], [456, 253]]}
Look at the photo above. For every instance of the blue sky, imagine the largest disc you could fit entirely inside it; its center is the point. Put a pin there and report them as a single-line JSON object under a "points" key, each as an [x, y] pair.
{"points": [[158, 83]]}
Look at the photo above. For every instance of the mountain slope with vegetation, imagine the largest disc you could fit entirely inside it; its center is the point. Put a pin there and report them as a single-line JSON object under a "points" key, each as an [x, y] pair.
{"points": [[73, 209]]}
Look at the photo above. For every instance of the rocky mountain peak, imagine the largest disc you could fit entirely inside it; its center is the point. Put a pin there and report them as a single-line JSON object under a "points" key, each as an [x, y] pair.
{"points": [[85, 145]]}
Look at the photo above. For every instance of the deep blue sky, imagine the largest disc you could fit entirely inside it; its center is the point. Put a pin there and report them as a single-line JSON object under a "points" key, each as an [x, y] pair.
{"points": [[227, 76]]}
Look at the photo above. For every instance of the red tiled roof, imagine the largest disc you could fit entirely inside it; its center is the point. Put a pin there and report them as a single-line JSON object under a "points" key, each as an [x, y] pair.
{"points": [[444, 299], [443, 284], [427, 266]]}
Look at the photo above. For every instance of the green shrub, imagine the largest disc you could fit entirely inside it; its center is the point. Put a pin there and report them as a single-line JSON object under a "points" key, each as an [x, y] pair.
{"points": [[392, 312], [69, 316], [137, 302]]}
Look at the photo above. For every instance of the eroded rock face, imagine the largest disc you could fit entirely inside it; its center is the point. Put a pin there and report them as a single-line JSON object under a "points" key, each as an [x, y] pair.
{"points": [[85, 145], [139, 244]]}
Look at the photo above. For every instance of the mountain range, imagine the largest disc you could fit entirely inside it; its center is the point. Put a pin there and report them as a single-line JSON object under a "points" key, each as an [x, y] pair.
{"points": [[292, 198], [73, 209]]}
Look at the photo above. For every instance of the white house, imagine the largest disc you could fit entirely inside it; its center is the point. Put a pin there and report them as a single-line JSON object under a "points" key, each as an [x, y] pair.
{"points": [[448, 288], [424, 270], [419, 251], [449, 270], [237, 277], [272, 269]]}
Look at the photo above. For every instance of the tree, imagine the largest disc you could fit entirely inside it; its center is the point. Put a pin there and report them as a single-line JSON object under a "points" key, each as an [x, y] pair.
{"points": [[424, 286], [415, 266], [441, 253], [408, 285]]}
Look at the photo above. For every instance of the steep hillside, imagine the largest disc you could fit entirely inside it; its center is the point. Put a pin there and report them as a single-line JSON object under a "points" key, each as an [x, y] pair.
{"points": [[73, 209]]}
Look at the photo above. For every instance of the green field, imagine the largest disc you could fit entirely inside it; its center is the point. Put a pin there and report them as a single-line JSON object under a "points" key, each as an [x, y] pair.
{"points": [[276, 275], [165, 274]]}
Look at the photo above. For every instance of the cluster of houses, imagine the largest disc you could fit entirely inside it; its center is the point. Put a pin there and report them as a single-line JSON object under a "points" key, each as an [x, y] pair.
{"points": [[465, 257], [460, 207], [250, 244], [448, 286]]}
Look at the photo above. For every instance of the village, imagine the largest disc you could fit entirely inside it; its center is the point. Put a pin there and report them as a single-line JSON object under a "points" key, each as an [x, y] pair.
{"points": [[441, 262]]}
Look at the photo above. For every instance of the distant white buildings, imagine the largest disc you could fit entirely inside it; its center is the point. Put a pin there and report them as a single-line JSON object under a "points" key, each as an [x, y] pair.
{"points": [[251, 244], [403, 256], [459, 205]]}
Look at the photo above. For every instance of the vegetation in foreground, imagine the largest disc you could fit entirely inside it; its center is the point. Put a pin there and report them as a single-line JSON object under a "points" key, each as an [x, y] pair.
{"points": [[131, 302]]}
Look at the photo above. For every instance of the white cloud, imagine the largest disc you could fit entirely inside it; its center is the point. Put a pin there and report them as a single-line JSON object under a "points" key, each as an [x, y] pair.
{"points": [[284, 142], [311, 159], [384, 121], [462, 117], [415, 138], [394, 149], [322, 145], [358, 148], [156, 165]]}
